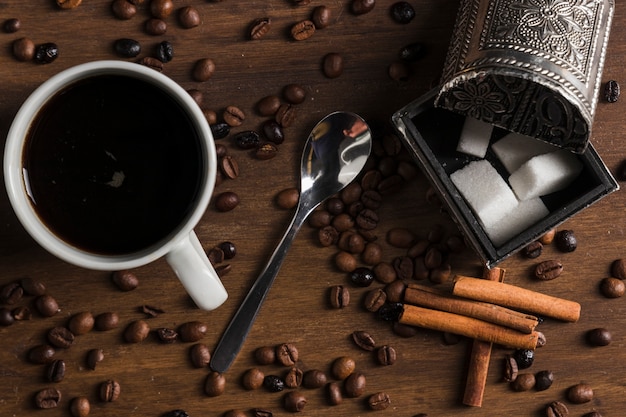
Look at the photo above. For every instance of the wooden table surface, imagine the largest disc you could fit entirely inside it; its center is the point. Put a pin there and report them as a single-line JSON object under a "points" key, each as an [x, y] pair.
{"points": [[429, 374]]}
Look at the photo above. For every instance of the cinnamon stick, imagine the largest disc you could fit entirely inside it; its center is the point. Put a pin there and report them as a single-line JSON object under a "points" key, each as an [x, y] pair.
{"points": [[466, 326], [429, 297], [516, 297]]}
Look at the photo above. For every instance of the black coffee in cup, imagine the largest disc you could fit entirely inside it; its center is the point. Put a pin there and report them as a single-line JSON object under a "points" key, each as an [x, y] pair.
{"points": [[112, 164]]}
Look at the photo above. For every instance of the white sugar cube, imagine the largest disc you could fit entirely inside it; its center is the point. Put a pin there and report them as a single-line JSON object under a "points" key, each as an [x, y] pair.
{"points": [[485, 191], [515, 149], [527, 213], [475, 137], [545, 174]]}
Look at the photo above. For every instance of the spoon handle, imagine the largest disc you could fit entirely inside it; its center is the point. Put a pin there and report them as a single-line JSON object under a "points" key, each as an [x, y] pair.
{"points": [[232, 340]]}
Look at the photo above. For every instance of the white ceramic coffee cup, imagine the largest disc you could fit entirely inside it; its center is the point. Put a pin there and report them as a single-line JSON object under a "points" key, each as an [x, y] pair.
{"points": [[181, 249]]}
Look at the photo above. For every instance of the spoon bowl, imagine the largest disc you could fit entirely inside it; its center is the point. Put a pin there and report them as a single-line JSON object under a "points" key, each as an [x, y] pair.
{"points": [[333, 156]]}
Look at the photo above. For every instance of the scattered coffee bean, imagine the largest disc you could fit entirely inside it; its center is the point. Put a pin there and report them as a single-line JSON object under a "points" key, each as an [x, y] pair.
{"points": [[265, 355], [123, 9], [266, 151], [23, 49], [533, 250], [599, 337], [137, 331], [333, 393], [200, 355], [548, 270], [557, 409], [372, 255], [253, 379], [273, 131], [259, 28], [155, 27], [303, 30], [19, 313], [400, 237], [412, 52], [11, 25], [286, 354], [167, 335], [203, 69], [611, 91], [125, 280], [510, 369], [81, 323], [618, 268], [229, 248], [48, 398], [359, 7], [286, 115], [106, 321], [273, 383], [386, 355], [524, 382], [342, 367], [233, 116], [161, 8], [385, 273], [80, 407], [153, 63], [32, 286], [367, 219], [405, 267], [268, 105], [339, 296], [215, 255], [226, 201], [220, 130], [215, 384], [294, 93], [288, 198], [46, 305], [68, 4], [60, 337], [248, 139], [229, 167], [354, 385], [94, 357], [345, 261], [524, 358], [580, 393], [543, 380], [328, 236], [11, 293], [188, 17], [566, 241], [55, 371], [612, 287], [321, 17], [294, 401], [314, 378], [127, 48], [374, 299], [165, 52], [293, 377], [362, 276], [395, 291], [363, 340], [110, 391], [332, 65], [379, 401], [192, 331], [402, 12]]}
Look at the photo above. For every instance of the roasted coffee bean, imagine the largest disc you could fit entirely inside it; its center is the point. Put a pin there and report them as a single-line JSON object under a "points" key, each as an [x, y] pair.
{"points": [[153, 63], [46, 53], [293, 377], [214, 384], [548, 270], [11, 25], [266, 151], [379, 401], [351, 242], [303, 30], [390, 184], [611, 91], [618, 268], [125, 280], [359, 7], [524, 382], [395, 291], [363, 340], [234, 116], [247, 139], [524, 358], [510, 369], [333, 393], [220, 130], [268, 105], [60, 337], [286, 354], [200, 355], [345, 261], [328, 236], [343, 222], [384, 272], [319, 218], [137, 331], [80, 407], [433, 258], [339, 296], [48, 398], [335, 205], [259, 28], [273, 383], [321, 17], [402, 12], [612, 287], [55, 371], [11, 293], [543, 380], [332, 65], [294, 93], [226, 201], [273, 131], [354, 385], [110, 390], [229, 249], [23, 49], [203, 69], [265, 355], [566, 241], [106, 321], [533, 250], [374, 299], [362, 276], [580, 393], [155, 27], [404, 267], [371, 179], [400, 329], [221, 150], [541, 339], [41, 354], [599, 337], [372, 255], [192, 331], [314, 378], [286, 115], [294, 401], [164, 51], [68, 4], [19, 313], [371, 199], [81, 323], [342, 367], [229, 167], [32, 286], [412, 52], [440, 274], [351, 193], [400, 237], [127, 48], [161, 8], [167, 335], [386, 355], [188, 17], [253, 379], [548, 236], [557, 409], [367, 219], [94, 357], [123, 9], [259, 412], [46, 305]]}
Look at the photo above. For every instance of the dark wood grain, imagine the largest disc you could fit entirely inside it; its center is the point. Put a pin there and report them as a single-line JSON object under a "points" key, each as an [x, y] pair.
{"points": [[429, 375]]}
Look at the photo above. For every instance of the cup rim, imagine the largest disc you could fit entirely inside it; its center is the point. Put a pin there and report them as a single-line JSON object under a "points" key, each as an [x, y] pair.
{"points": [[13, 166]]}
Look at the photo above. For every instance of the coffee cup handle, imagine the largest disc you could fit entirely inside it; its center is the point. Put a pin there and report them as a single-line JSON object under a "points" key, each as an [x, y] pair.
{"points": [[193, 268]]}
